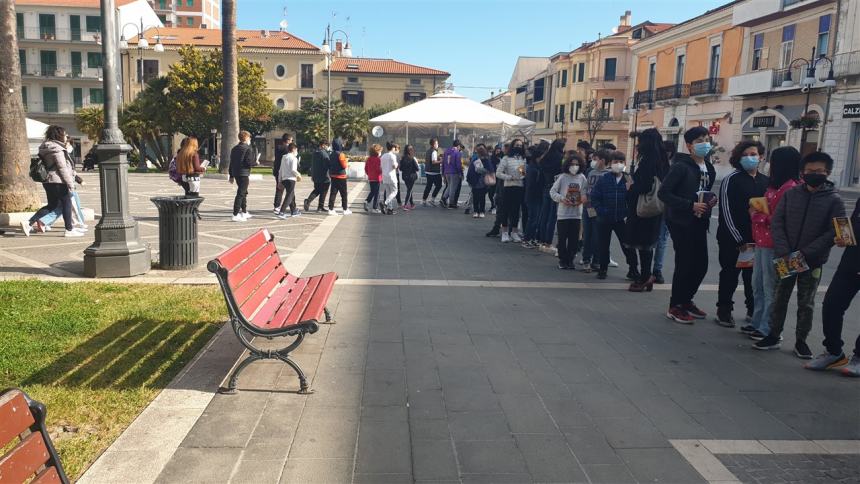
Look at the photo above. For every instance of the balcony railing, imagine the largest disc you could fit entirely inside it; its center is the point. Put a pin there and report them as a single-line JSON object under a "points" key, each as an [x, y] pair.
{"points": [[52, 33], [846, 64], [54, 107], [609, 79], [62, 71], [643, 97], [781, 75], [675, 91], [19, 31], [706, 87]]}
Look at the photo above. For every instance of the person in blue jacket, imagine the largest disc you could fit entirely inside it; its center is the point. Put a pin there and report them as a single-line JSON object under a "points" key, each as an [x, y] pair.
{"points": [[609, 199]]}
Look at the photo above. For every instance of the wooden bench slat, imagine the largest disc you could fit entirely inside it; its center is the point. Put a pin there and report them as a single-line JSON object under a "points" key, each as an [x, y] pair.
{"points": [[244, 291], [263, 292], [280, 316], [271, 306], [299, 308], [48, 476], [242, 271], [239, 252], [15, 416], [24, 460], [317, 303]]}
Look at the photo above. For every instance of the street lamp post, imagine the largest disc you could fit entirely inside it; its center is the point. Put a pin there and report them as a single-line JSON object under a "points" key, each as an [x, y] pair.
{"points": [[117, 250], [808, 82], [329, 57], [142, 44], [635, 111]]}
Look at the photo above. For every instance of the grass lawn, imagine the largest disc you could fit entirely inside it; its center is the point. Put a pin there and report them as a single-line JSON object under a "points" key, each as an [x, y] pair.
{"points": [[96, 354]]}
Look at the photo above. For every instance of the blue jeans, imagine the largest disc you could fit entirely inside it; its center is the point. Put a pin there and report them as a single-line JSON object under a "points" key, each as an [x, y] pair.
{"points": [[51, 217], [764, 284], [548, 214], [660, 249], [590, 240], [532, 229]]}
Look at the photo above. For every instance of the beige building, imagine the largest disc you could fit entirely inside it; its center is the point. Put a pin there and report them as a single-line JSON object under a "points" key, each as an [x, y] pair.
{"points": [[188, 13], [501, 101], [375, 82]]}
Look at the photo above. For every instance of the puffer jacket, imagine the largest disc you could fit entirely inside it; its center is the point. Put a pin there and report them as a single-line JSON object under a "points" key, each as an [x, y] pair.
{"points": [[804, 221], [609, 198], [59, 165]]}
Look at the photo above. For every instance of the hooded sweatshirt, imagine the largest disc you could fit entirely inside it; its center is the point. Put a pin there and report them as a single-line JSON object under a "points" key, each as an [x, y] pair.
{"points": [[571, 187], [804, 221]]}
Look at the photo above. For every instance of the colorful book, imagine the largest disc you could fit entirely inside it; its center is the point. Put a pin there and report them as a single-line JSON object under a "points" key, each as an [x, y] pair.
{"points": [[844, 230], [760, 205], [746, 259], [790, 265], [574, 195]]}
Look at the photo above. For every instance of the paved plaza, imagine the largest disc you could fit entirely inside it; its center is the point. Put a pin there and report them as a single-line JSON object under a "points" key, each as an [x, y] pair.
{"points": [[457, 359]]}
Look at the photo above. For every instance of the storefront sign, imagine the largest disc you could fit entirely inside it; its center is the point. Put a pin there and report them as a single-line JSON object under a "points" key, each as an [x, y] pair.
{"points": [[851, 111], [764, 121]]}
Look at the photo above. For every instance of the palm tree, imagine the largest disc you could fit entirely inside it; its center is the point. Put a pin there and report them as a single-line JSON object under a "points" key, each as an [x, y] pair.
{"points": [[230, 102], [17, 192]]}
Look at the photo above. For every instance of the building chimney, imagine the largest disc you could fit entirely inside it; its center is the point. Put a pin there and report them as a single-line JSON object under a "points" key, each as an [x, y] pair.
{"points": [[625, 20], [338, 47], [264, 33]]}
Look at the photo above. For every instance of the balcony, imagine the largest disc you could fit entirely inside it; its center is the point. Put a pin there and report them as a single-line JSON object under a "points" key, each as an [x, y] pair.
{"points": [[61, 71], [707, 87], [51, 34], [781, 75], [609, 82], [846, 64], [667, 94], [751, 83], [63, 108], [643, 97]]}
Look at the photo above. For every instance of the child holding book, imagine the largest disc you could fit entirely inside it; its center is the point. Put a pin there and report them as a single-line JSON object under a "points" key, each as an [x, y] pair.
{"points": [[802, 229], [568, 191]]}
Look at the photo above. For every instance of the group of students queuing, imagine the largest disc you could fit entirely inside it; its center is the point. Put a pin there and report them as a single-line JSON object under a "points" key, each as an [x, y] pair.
{"points": [[581, 198]]}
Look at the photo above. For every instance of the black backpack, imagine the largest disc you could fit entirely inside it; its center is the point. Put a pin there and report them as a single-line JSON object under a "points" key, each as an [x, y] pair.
{"points": [[38, 169], [334, 167]]}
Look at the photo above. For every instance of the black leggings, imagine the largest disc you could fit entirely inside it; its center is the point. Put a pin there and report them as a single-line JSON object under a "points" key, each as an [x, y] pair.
{"points": [[289, 196], [513, 200], [434, 182], [491, 192], [410, 184], [240, 203], [57, 193], [479, 200], [338, 185], [568, 240]]}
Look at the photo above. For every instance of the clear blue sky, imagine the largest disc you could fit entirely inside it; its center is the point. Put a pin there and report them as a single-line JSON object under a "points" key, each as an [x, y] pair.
{"points": [[477, 41]]}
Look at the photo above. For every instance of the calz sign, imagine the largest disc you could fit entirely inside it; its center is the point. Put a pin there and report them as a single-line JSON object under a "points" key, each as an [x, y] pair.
{"points": [[851, 111]]}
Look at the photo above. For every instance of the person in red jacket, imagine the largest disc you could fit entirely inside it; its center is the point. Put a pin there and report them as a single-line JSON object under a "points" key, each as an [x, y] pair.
{"points": [[373, 169]]}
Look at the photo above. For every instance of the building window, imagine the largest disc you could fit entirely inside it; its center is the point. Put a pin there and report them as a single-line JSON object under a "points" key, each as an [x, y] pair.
{"points": [[189, 3], [48, 62], [19, 25], [352, 80], [150, 70], [415, 82], [280, 71], [352, 98], [539, 116], [538, 89], [189, 21], [162, 4], [78, 98], [652, 75], [787, 50], [94, 24], [609, 69], [94, 60], [560, 117], [47, 26], [758, 45], [823, 35], [24, 96], [22, 59], [411, 97], [280, 103], [637, 34], [680, 64], [581, 72], [564, 78], [608, 105], [577, 110], [716, 51], [50, 100], [304, 100], [97, 95], [307, 81]]}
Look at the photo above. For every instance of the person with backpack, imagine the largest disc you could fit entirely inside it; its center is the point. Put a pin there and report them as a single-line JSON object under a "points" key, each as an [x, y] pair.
{"points": [[319, 175], [337, 165], [189, 166], [58, 180], [280, 152]]}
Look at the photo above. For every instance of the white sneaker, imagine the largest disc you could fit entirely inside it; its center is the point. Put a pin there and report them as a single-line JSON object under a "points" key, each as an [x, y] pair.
{"points": [[74, 233], [247, 215], [26, 228], [376, 210], [81, 228], [366, 207], [493, 211], [481, 215], [515, 237], [506, 237], [238, 218], [612, 263], [332, 212], [47, 228], [347, 212], [475, 215]]}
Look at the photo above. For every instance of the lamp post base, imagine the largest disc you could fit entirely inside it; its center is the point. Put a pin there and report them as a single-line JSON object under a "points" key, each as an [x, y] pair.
{"points": [[117, 250]]}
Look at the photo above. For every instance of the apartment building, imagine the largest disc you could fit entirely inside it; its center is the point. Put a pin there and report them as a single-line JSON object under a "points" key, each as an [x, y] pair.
{"points": [[204, 14], [501, 101], [679, 79], [370, 82], [166, 11], [780, 37], [59, 48]]}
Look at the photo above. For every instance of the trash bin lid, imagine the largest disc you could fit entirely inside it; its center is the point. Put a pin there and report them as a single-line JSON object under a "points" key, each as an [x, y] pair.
{"points": [[177, 200]]}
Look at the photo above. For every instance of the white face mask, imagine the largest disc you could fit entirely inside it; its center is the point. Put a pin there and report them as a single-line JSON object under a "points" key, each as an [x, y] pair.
{"points": [[574, 169], [617, 168], [593, 164]]}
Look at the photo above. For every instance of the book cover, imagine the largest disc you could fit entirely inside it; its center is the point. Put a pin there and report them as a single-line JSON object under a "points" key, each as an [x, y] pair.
{"points": [[574, 195], [760, 205], [844, 230], [746, 259], [790, 265]]}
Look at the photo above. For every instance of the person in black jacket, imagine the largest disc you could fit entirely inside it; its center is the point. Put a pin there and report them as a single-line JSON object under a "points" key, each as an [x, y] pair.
{"points": [[686, 193], [734, 233], [550, 167], [280, 151], [241, 161], [843, 288], [319, 176], [409, 169]]}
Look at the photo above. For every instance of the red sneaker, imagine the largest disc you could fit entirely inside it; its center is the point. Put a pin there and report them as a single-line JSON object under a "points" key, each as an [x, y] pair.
{"points": [[695, 312], [680, 315]]}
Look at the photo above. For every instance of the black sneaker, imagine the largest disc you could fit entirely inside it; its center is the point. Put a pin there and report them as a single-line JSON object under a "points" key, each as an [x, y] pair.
{"points": [[563, 267], [633, 275], [769, 342], [724, 318], [658, 278], [493, 233], [747, 329], [601, 275], [802, 351], [307, 205]]}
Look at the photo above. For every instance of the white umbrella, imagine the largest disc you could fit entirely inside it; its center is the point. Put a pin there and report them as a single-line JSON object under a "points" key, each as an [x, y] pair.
{"points": [[36, 129]]}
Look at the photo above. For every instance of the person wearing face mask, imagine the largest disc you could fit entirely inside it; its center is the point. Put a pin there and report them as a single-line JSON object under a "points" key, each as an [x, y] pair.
{"points": [[241, 161], [609, 200], [320, 178], [568, 191], [686, 193], [475, 176], [389, 165], [803, 222], [500, 191], [734, 233], [512, 171], [670, 148], [590, 239]]}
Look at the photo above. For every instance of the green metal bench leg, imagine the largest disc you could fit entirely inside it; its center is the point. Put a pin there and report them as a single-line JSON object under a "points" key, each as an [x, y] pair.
{"points": [[234, 377], [304, 388]]}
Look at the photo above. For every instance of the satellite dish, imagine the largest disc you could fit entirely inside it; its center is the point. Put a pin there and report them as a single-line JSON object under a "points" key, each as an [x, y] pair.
{"points": [[284, 24], [377, 131]]}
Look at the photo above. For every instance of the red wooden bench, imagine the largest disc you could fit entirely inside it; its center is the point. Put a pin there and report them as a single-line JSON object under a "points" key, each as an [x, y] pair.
{"points": [[264, 300], [33, 458]]}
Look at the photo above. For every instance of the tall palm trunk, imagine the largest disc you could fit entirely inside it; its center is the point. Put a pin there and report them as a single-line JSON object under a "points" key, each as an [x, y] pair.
{"points": [[17, 192], [230, 105]]}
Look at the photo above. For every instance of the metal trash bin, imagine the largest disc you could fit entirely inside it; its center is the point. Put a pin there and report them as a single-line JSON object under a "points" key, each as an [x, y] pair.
{"points": [[177, 232]]}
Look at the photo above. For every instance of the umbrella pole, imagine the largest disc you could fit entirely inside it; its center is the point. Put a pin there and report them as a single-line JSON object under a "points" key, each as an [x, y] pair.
{"points": [[407, 133]]}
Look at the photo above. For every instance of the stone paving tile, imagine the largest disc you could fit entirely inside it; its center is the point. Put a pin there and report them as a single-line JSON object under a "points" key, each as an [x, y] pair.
{"points": [[490, 457], [317, 470], [659, 465], [793, 468], [200, 465], [609, 474], [383, 448], [258, 471], [466, 426], [549, 459], [433, 460]]}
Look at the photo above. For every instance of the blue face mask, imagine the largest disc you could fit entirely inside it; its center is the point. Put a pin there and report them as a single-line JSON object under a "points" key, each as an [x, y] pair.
{"points": [[701, 149], [749, 162]]}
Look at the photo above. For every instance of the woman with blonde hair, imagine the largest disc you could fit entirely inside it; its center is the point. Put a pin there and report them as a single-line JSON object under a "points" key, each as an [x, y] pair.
{"points": [[188, 164]]}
